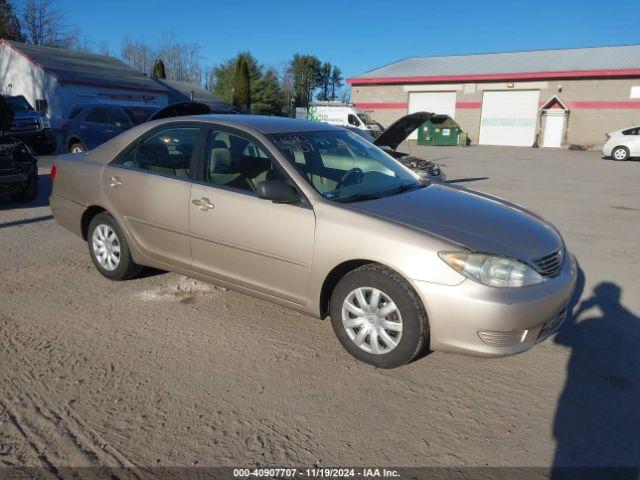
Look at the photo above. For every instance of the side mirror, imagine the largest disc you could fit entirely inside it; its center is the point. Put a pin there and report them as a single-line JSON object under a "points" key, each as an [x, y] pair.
{"points": [[277, 192]]}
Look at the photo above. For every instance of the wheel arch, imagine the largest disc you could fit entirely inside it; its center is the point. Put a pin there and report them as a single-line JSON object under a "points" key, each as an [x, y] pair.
{"points": [[87, 216], [339, 271], [74, 139]]}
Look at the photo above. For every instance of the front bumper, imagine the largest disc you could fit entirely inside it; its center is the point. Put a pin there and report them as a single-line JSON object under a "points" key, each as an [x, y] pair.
{"points": [[474, 319], [44, 135]]}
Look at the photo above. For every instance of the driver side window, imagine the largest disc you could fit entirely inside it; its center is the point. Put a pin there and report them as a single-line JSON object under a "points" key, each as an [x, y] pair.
{"points": [[237, 162]]}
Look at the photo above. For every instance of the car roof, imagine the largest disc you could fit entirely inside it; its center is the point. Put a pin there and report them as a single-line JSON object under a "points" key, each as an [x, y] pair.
{"points": [[266, 124]]}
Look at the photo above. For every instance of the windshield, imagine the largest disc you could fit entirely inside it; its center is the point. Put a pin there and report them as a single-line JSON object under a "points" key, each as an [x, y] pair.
{"points": [[139, 114], [342, 166], [19, 104]]}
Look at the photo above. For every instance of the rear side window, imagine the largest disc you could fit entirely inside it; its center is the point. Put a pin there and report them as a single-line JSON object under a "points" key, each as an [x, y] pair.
{"points": [[167, 152], [119, 118], [74, 112], [98, 115], [139, 114], [632, 131]]}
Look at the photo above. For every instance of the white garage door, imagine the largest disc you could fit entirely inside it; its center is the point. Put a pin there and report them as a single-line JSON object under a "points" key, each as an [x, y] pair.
{"points": [[434, 102], [509, 118]]}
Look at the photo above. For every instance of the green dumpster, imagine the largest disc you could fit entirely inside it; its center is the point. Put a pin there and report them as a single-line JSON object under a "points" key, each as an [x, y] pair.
{"points": [[439, 130]]}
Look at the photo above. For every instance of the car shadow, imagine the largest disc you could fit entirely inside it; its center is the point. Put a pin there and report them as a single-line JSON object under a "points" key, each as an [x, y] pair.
{"points": [[597, 421], [42, 200]]}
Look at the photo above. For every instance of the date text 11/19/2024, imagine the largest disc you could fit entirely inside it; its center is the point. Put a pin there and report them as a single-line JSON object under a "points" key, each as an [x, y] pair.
{"points": [[313, 473]]}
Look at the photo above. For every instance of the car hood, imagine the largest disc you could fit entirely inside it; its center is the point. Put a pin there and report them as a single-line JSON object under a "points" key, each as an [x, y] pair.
{"points": [[400, 129], [473, 220], [6, 116]]}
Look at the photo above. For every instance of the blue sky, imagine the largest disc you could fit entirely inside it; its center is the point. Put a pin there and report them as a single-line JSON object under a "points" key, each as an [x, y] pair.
{"points": [[359, 35]]}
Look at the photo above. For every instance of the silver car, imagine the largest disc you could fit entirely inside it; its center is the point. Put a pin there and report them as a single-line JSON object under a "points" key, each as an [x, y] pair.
{"points": [[315, 218]]}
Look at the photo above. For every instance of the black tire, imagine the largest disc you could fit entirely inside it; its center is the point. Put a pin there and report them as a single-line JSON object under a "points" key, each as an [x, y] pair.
{"points": [[126, 268], [415, 325], [620, 154], [77, 147], [30, 193]]}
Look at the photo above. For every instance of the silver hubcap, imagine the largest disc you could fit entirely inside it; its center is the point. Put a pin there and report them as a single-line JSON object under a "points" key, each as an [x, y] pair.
{"points": [[77, 149], [106, 247], [372, 320], [620, 154]]}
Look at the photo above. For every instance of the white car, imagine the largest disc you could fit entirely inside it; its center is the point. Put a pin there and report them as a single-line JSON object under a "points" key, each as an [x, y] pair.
{"points": [[623, 144]]}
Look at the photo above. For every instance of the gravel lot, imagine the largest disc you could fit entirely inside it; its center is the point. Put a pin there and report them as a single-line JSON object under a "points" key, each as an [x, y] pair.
{"points": [[167, 371]]}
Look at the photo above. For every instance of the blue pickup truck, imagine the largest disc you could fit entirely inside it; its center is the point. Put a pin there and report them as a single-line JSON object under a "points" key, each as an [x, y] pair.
{"points": [[30, 126]]}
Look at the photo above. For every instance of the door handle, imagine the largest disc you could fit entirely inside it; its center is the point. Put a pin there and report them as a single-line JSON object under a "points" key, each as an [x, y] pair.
{"points": [[115, 182], [203, 204]]}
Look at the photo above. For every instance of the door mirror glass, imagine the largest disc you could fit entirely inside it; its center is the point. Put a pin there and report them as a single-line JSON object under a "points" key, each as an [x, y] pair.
{"points": [[277, 191]]}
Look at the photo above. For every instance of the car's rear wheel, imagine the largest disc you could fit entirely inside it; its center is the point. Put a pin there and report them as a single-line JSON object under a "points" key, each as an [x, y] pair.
{"points": [[377, 317], [620, 153], [77, 147], [109, 250]]}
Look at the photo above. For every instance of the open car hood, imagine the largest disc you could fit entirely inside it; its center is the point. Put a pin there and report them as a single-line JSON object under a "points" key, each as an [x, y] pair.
{"points": [[6, 117], [400, 129], [181, 110]]}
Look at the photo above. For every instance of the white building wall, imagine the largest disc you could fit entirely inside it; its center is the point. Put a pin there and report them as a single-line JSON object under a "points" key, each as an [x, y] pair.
{"points": [[20, 76]]}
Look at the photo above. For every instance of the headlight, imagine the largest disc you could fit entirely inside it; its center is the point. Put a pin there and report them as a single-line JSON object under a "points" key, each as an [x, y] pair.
{"points": [[46, 123], [492, 270]]}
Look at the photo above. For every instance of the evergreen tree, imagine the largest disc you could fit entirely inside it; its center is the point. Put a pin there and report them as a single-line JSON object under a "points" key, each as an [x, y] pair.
{"points": [[336, 81], [9, 23], [242, 87], [159, 70]]}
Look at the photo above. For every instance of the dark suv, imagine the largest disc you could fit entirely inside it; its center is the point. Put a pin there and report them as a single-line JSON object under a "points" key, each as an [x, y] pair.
{"points": [[18, 168], [29, 125], [93, 124]]}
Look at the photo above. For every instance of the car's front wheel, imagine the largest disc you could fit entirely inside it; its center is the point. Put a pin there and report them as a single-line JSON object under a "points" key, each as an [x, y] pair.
{"points": [[620, 153], [109, 250], [377, 317]]}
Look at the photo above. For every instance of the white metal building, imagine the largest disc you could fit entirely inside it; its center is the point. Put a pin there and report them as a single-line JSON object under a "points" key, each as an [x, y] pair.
{"points": [[54, 80]]}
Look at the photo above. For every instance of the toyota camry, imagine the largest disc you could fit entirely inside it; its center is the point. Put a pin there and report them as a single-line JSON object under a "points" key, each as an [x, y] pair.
{"points": [[315, 218]]}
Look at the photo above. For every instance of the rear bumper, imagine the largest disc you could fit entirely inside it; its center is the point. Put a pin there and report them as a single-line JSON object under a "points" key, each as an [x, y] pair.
{"points": [[13, 179], [474, 319], [67, 213]]}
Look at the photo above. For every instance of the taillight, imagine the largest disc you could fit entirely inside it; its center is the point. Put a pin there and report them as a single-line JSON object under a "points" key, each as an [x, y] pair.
{"points": [[606, 137], [54, 170]]}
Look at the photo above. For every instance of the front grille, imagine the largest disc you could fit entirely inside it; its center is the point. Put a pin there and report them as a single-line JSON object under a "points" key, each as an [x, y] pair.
{"points": [[502, 339], [25, 125], [550, 265]]}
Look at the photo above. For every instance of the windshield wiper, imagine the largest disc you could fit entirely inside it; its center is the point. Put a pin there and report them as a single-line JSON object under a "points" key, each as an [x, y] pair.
{"points": [[357, 197]]}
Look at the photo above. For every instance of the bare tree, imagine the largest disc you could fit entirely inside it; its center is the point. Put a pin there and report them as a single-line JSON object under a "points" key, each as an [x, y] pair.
{"points": [[138, 54], [181, 60], [45, 24]]}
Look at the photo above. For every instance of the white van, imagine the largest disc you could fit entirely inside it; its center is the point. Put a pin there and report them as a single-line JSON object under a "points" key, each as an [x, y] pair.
{"points": [[343, 115]]}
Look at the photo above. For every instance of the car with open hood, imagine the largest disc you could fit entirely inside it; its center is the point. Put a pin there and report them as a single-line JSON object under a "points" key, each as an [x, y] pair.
{"points": [[391, 138], [92, 124], [18, 167], [313, 217]]}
